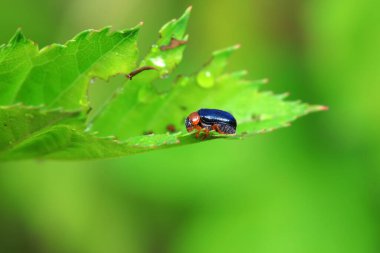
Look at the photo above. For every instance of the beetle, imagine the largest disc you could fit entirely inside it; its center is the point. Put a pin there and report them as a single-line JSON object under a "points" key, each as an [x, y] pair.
{"points": [[211, 119]]}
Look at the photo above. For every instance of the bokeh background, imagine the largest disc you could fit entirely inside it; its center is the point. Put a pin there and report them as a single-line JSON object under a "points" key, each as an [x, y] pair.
{"points": [[313, 187]]}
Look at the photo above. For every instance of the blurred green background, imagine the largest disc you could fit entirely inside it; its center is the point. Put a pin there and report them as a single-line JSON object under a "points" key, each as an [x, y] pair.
{"points": [[313, 187]]}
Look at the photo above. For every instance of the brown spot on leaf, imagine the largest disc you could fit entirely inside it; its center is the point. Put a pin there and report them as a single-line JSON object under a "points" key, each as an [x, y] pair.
{"points": [[171, 128], [173, 44]]}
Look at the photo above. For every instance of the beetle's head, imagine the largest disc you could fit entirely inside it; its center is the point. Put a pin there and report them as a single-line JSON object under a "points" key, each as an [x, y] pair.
{"points": [[191, 121]]}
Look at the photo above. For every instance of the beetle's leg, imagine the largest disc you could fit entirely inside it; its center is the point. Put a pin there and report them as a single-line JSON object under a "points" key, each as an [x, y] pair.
{"points": [[217, 128], [207, 132], [199, 129]]}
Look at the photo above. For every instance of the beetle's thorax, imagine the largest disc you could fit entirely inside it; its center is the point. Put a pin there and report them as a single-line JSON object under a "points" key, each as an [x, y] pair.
{"points": [[194, 118]]}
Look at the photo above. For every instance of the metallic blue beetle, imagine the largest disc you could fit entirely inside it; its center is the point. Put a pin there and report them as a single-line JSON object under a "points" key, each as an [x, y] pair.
{"points": [[211, 119]]}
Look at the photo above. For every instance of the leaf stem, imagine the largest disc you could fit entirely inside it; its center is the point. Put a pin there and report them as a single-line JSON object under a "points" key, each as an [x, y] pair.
{"points": [[139, 70]]}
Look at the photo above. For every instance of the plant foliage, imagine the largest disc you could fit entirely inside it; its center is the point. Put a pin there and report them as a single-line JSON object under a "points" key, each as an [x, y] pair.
{"points": [[45, 107]]}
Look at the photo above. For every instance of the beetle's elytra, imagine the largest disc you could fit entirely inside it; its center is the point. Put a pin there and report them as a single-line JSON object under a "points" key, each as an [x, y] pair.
{"points": [[211, 119]]}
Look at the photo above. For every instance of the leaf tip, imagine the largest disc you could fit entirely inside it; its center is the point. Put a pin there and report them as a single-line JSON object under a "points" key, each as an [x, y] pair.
{"points": [[320, 108], [105, 29], [134, 30], [176, 27], [188, 10], [323, 108], [17, 37], [186, 14], [138, 26], [226, 52], [283, 95], [81, 35], [317, 108]]}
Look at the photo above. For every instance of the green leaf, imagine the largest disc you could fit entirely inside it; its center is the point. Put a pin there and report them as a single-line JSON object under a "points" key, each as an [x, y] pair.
{"points": [[32, 132], [141, 88], [167, 53], [20, 124], [64, 142], [58, 75], [130, 114], [52, 84]]}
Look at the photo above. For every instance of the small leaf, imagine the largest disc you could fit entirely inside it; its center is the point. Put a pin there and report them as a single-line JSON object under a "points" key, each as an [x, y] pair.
{"points": [[167, 53]]}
